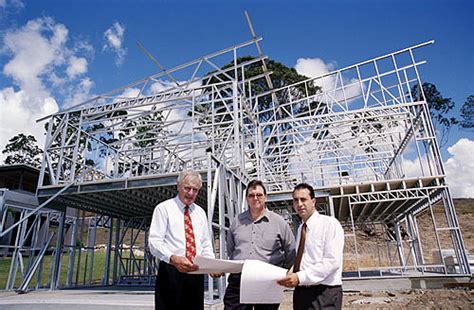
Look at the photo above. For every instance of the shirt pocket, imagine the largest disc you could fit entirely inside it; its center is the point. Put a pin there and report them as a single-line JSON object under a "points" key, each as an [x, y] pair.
{"points": [[271, 244]]}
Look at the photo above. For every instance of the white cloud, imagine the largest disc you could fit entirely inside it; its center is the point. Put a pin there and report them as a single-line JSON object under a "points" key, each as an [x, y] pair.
{"points": [[460, 169], [114, 37], [19, 117], [12, 3], [41, 40], [313, 67], [43, 68], [129, 93], [330, 84], [79, 92], [160, 86], [77, 66], [412, 168]]}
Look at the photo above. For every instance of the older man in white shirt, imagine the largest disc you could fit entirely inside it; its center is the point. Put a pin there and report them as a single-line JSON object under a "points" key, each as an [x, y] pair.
{"points": [[317, 272], [178, 232]]}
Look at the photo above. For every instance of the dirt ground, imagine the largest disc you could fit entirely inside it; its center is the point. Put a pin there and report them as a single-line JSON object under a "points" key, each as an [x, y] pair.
{"points": [[407, 299]]}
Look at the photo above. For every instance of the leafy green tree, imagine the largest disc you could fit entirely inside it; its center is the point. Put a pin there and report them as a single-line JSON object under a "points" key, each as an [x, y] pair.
{"points": [[467, 114], [281, 76], [23, 149], [439, 109], [149, 130]]}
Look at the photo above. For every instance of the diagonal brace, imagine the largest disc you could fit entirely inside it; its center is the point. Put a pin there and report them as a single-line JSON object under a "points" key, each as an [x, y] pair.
{"points": [[3, 233]]}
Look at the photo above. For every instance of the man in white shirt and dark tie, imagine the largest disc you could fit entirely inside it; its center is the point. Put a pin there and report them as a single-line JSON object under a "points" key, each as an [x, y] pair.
{"points": [[178, 232], [317, 272]]}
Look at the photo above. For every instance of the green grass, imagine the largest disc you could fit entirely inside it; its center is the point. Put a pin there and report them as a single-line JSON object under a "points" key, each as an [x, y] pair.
{"points": [[97, 270]]}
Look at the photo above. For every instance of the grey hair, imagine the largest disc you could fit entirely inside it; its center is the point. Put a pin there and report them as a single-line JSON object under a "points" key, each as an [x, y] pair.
{"points": [[191, 174]]}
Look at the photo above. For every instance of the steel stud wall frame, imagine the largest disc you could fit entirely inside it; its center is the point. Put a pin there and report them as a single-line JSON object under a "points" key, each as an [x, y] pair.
{"points": [[348, 133]]}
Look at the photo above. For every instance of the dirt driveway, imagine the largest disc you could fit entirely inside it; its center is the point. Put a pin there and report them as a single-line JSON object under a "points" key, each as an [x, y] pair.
{"points": [[407, 299]]}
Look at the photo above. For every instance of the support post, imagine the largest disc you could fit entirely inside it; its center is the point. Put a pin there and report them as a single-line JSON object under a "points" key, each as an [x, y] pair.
{"points": [[59, 251]]}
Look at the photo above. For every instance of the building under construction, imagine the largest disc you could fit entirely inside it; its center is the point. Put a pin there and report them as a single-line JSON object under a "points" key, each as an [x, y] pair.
{"points": [[110, 160]]}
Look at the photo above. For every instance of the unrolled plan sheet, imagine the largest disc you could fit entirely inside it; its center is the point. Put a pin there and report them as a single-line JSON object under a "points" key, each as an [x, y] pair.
{"points": [[258, 283], [213, 265]]}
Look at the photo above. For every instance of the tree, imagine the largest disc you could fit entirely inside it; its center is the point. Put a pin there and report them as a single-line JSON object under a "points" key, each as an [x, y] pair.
{"points": [[439, 109], [467, 114], [23, 149], [281, 76]]}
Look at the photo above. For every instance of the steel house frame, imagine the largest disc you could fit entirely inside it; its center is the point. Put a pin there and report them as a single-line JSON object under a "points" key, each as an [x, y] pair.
{"points": [[348, 132]]}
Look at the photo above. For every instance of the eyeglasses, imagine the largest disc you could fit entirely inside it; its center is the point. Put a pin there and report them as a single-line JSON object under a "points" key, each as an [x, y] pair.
{"points": [[256, 195]]}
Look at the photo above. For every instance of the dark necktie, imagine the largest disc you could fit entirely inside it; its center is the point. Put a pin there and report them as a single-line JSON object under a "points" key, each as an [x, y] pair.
{"points": [[299, 253], [189, 234]]}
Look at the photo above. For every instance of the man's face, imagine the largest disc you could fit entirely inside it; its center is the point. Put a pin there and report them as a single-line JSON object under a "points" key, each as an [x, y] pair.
{"points": [[256, 198], [303, 204], [188, 190]]}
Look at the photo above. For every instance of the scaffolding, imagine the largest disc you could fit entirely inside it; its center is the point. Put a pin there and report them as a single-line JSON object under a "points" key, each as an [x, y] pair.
{"points": [[348, 133]]}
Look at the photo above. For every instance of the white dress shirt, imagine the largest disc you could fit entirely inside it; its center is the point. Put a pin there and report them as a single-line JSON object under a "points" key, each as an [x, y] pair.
{"points": [[167, 230], [323, 250]]}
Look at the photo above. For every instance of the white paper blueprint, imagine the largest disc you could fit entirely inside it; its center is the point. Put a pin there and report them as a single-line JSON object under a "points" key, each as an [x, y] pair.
{"points": [[213, 265], [258, 283]]}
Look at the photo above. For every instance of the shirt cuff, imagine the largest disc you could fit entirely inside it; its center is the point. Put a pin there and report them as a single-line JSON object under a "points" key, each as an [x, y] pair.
{"points": [[302, 277], [165, 257]]}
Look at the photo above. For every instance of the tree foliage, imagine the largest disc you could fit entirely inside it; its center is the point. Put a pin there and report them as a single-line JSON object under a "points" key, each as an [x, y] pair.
{"points": [[23, 149], [467, 114], [280, 76], [439, 109]]}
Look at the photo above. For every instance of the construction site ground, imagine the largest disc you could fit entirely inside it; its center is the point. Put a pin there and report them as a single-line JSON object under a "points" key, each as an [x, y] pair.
{"points": [[412, 292], [367, 294]]}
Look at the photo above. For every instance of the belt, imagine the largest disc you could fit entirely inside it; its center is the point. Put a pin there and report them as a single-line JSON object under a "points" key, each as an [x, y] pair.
{"points": [[318, 286]]}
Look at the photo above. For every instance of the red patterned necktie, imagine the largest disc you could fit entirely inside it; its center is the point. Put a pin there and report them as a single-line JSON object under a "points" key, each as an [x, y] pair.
{"points": [[189, 234], [299, 253]]}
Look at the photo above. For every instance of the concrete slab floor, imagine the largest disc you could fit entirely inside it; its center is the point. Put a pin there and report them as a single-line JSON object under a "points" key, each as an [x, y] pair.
{"points": [[82, 299]]}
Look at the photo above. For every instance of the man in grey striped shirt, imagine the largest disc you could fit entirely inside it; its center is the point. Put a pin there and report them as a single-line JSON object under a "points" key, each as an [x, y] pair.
{"points": [[257, 234]]}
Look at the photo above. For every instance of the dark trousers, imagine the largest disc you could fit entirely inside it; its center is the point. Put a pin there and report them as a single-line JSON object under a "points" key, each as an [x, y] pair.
{"points": [[317, 297], [177, 290], [232, 297]]}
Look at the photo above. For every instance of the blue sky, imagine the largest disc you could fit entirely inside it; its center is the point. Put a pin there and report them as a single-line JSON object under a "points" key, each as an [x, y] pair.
{"points": [[83, 60]]}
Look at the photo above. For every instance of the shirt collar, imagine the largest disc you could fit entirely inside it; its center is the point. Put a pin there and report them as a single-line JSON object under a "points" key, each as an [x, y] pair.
{"points": [[313, 217], [264, 215], [181, 205]]}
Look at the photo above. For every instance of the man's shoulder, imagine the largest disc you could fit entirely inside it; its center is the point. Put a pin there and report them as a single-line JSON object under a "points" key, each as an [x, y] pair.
{"points": [[166, 203], [199, 209], [273, 216], [330, 219], [241, 218], [242, 215]]}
